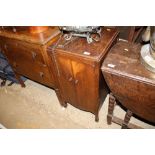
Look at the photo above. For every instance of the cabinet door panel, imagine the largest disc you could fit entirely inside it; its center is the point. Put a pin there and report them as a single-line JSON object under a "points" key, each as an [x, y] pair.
{"points": [[86, 86], [66, 78]]}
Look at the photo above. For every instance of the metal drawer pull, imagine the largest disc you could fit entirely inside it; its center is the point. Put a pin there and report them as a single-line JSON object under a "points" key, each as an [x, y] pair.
{"points": [[34, 55], [70, 79], [41, 74], [76, 81]]}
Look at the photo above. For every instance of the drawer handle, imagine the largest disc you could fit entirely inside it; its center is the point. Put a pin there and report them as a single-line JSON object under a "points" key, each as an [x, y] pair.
{"points": [[76, 81], [34, 55], [70, 79], [41, 74]]}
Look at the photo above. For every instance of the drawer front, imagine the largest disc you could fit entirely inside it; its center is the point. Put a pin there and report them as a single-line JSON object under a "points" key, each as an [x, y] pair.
{"points": [[35, 72], [26, 59], [23, 52]]}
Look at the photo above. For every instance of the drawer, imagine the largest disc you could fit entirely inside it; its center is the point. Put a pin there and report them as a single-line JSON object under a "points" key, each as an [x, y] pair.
{"points": [[35, 72], [27, 60], [22, 52]]}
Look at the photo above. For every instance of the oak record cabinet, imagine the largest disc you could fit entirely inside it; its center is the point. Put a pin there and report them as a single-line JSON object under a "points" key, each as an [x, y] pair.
{"points": [[78, 70]]}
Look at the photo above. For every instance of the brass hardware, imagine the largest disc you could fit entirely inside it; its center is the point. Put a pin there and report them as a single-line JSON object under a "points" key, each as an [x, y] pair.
{"points": [[70, 79], [34, 55], [41, 74], [76, 81]]}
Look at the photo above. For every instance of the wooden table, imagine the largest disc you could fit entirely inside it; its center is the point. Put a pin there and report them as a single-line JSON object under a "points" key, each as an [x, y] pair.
{"points": [[130, 83]]}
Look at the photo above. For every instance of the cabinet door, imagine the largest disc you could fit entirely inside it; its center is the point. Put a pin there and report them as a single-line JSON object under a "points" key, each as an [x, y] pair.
{"points": [[66, 78], [86, 85]]}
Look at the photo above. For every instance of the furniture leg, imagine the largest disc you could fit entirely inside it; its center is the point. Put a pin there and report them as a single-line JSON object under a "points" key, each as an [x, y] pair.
{"points": [[19, 79], [61, 101], [126, 119], [111, 106], [131, 33], [3, 82], [11, 83], [97, 117]]}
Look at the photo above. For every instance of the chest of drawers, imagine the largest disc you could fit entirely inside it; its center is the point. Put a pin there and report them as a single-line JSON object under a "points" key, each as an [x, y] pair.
{"points": [[28, 56]]}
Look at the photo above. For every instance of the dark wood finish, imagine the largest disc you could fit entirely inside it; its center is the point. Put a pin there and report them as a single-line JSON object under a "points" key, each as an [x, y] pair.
{"points": [[23, 34], [79, 74], [28, 56], [111, 118], [126, 119], [119, 121], [72, 69], [134, 33], [111, 106], [129, 81]]}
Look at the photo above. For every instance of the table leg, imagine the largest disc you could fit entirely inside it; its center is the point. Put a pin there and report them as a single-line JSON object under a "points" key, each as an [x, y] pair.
{"points": [[20, 80], [126, 119], [111, 106]]}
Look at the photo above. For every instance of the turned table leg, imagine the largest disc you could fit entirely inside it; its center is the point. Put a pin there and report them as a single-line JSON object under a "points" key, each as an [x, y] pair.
{"points": [[111, 106], [126, 119]]}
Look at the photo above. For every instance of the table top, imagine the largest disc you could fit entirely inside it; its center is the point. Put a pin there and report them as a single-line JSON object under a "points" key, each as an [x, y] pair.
{"points": [[124, 59], [94, 50], [24, 34]]}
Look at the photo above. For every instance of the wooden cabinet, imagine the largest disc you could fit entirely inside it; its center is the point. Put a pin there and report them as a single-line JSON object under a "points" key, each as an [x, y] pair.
{"points": [[78, 81], [28, 56], [79, 73], [129, 81]]}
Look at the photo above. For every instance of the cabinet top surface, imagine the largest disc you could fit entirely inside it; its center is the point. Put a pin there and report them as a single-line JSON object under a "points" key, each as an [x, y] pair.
{"points": [[24, 34], [124, 60], [79, 45]]}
